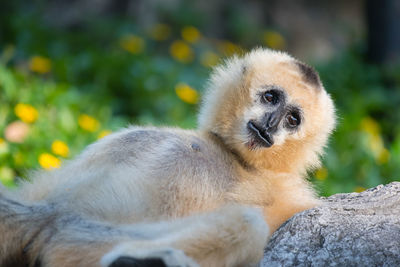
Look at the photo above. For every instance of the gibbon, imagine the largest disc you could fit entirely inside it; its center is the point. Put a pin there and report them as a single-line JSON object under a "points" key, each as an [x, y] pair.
{"points": [[147, 196]]}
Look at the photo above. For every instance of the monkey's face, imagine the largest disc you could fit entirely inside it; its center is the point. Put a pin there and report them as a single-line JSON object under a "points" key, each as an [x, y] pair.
{"points": [[269, 108], [271, 118], [287, 104]]}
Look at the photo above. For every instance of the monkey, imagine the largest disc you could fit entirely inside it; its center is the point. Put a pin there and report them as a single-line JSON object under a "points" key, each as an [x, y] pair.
{"points": [[165, 196]]}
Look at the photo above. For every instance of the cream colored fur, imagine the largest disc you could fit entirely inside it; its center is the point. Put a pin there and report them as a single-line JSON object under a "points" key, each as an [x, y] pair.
{"points": [[209, 192]]}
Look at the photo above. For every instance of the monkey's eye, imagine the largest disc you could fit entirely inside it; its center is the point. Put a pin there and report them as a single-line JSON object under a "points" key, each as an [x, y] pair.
{"points": [[293, 119], [270, 97]]}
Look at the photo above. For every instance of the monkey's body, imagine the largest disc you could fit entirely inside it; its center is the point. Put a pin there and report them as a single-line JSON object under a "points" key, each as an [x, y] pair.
{"points": [[141, 171], [121, 171], [212, 195]]}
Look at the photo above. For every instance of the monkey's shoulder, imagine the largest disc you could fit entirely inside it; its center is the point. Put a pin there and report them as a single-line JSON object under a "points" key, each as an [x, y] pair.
{"points": [[162, 144]]}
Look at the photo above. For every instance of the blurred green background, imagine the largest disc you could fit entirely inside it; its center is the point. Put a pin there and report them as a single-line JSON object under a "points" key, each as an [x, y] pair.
{"points": [[72, 72]]}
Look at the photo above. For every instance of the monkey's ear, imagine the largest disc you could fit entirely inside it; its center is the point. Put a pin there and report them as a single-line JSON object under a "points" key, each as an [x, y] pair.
{"points": [[310, 75]]}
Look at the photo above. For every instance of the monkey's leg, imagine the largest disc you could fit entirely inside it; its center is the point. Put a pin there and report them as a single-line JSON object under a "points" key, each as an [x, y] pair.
{"points": [[14, 233], [39, 235], [231, 236]]}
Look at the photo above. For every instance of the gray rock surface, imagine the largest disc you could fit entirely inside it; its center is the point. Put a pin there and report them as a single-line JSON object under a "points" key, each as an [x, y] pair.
{"points": [[356, 229]]}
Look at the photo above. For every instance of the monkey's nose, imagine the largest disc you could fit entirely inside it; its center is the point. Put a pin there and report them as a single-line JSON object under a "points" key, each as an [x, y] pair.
{"points": [[272, 123]]}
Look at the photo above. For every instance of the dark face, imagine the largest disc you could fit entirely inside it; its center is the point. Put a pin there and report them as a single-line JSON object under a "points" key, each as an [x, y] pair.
{"points": [[272, 118]]}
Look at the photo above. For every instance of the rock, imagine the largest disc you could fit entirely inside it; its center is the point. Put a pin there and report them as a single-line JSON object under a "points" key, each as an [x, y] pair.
{"points": [[355, 229]]}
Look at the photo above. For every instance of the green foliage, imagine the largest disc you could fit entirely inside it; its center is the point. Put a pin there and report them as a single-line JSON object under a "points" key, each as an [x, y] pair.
{"points": [[364, 150], [58, 85], [76, 85], [34, 113]]}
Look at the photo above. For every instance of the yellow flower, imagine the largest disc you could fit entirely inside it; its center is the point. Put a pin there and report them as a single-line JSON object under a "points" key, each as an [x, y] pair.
{"points": [[6, 175], [132, 43], [370, 126], [359, 189], [40, 64], [88, 123], [60, 148], [228, 48], [181, 52], [190, 34], [26, 112], [375, 144], [209, 59], [321, 174], [274, 40], [48, 161], [186, 93], [375, 141], [383, 157], [160, 32], [103, 134]]}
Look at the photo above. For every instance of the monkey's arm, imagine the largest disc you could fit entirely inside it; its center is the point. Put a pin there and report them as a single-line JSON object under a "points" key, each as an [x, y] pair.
{"points": [[233, 235]]}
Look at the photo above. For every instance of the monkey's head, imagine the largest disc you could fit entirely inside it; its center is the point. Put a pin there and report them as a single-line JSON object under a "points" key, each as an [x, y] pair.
{"points": [[270, 109]]}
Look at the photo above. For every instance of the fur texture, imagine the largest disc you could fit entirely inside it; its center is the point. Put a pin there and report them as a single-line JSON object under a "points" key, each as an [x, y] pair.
{"points": [[208, 197]]}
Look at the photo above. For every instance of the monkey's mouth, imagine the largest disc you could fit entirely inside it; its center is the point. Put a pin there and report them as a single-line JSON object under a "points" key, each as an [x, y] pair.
{"points": [[259, 136]]}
